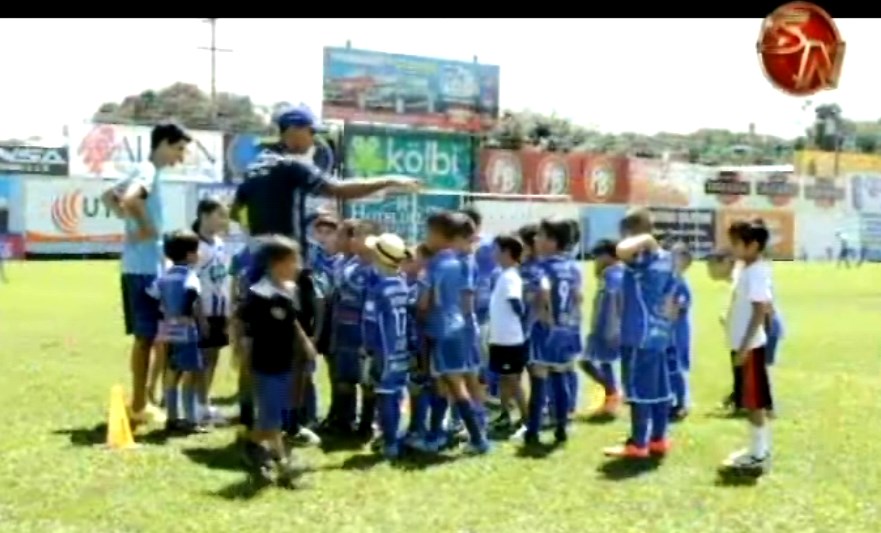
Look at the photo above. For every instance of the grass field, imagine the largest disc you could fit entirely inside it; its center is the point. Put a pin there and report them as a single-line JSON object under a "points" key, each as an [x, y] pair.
{"points": [[62, 349]]}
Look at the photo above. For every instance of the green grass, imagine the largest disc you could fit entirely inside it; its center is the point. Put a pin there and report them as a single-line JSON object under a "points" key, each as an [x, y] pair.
{"points": [[62, 349]]}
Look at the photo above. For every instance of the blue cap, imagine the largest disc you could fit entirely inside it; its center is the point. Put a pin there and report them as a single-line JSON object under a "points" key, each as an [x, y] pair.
{"points": [[298, 117]]}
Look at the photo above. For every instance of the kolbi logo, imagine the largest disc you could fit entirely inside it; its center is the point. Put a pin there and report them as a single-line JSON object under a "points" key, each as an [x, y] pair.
{"points": [[552, 175], [504, 173], [439, 162], [69, 209]]}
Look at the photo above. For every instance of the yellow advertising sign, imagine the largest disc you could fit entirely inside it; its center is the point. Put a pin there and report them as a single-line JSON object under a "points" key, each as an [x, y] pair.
{"points": [[822, 164]]}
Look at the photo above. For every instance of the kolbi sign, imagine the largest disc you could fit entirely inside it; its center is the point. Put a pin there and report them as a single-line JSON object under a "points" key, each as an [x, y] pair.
{"points": [[34, 160]]}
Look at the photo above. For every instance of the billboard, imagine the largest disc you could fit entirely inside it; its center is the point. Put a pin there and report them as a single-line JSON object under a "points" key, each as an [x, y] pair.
{"points": [[600, 179], [823, 194], [113, 151], [600, 222], [870, 235], [548, 172], [831, 164], [817, 234], [668, 183], [34, 160], [68, 216], [444, 161], [696, 228], [781, 224], [11, 205], [866, 192], [501, 172], [365, 86]]}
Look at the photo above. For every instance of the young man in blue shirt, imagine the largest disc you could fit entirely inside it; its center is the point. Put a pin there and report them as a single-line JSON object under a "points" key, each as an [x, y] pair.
{"points": [[646, 327], [137, 199]]}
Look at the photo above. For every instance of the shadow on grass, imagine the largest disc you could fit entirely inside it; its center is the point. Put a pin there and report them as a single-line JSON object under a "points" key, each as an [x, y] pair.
{"points": [[226, 401], [246, 489], [341, 443], [736, 477], [620, 469], [227, 458], [597, 419], [88, 436], [537, 451]]}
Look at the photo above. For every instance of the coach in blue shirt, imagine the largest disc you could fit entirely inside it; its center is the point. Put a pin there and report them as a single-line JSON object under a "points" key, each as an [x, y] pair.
{"points": [[137, 199]]}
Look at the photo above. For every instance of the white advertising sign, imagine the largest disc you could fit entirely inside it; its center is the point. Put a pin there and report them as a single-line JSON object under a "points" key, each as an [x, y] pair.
{"points": [[112, 151]]}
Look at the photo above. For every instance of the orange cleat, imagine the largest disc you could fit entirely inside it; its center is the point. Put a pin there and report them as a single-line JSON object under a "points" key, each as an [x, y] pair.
{"points": [[660, 447], [626, 451], [611, 404]]}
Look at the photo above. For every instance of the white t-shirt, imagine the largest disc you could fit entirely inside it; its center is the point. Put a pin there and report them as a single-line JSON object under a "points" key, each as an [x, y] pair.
{"points": [[753, 284], [505, 328], [213, 270]]}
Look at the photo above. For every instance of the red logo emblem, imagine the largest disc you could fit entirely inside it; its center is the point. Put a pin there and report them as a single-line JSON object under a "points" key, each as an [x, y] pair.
{"points": [[97, 147], [67, 212], [552, 176], [800, 49]]}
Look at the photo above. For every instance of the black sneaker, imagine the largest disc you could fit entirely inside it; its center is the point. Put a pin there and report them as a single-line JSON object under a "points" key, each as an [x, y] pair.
{"points": [[561, 436], [502, 423], [531, 439]]}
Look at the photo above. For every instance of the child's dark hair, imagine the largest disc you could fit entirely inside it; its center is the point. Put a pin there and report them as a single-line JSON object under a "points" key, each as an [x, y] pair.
{"points": [[467, 228], [527, 234], [511, 245], [558, 230], [637, 220], [749, 232], [178, 245], [169, 132], [276, 248], [368, 227], [576, 231], [605, 247], [422, 250], [472, 213], [449, 224], [206, 206]]}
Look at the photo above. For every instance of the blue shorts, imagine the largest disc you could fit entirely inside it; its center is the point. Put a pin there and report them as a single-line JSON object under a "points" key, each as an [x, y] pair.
{"points": [[475, 360], [140, 310], [273, 393], [389, 375], [346, 346], [648, 377], [452, 356], [551, 350], [185, 357]]}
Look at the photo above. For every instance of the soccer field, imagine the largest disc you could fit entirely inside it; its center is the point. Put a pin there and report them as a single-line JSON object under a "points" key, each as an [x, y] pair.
{"points": [[63, 348]]}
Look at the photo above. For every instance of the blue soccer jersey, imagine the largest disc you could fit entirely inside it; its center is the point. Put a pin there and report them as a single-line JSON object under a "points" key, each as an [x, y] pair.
{"points": [[559, 340], [178, 292], [386, 339], [605, 328]]}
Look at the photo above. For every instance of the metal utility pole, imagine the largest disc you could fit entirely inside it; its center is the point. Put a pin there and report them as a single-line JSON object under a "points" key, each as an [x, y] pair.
{"points": [[213, 49]]}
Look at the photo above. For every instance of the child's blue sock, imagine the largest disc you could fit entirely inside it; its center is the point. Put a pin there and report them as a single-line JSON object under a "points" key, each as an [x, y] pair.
{"points": [[560, 385], [172, 407], [439, 406], [677, 384], [455, 416], [640, 419], [607, 370], [572, 394], [190, 404], [389, 418], [492, 383], [537, 397], [469, 418], [660, 413]]}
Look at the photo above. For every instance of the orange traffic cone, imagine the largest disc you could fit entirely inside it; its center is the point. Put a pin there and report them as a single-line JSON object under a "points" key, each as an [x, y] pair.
{"points": [[119, 429]]}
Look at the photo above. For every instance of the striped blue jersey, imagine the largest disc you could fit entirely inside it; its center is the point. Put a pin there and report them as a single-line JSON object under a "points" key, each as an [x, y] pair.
{"points": [[178, 293], [386, 316], [213, 271]]}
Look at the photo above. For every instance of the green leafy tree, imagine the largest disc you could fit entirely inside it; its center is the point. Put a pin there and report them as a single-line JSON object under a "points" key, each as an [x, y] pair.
{"points": [[191, 106]]}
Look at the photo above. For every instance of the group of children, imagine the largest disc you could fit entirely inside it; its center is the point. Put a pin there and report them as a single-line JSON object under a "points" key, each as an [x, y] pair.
{"points": [[452, 324]]}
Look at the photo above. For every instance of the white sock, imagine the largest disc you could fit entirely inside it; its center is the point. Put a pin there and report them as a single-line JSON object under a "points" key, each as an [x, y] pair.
{"points": [[756, 443], [765, 432]]}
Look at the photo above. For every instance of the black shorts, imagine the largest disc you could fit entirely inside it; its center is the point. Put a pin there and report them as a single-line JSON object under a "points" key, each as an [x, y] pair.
{"points": [[507, 360], [756, 392], [217, 335]]}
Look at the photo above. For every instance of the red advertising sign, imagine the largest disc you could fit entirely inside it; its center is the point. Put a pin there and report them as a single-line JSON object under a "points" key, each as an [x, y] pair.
{"points": [[602, 179], [501, 172], [548, 172]]}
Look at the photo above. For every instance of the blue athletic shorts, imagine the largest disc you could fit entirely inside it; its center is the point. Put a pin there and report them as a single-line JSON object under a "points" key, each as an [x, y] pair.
{"points": [[648, 379], [273, 393], [185, 357], [389, 374], [140, 310], [452, 356]]}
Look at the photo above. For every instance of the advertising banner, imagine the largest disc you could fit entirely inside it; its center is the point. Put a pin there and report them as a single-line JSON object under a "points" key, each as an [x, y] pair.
{"points": [[601, 179], [68, 216], [34, 160], [822, 195], [817, 234], [729, 188], [11, 205], [113, 151], [11, 246], [240, 151], [365, 86], [501, 172], [777, 189], [823, 164], [781, 224], [696, 228], [441, 160], [600, 222], [655, 182], [548, 172], [866, 192], [870, 235]]}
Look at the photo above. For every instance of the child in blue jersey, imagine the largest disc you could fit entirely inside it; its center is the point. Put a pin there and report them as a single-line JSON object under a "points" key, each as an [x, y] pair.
{"points": [[348, 344], [420, 387], [572, 375], [448, 323], [177, 290], [556, 337], [646, 327], [603, 341], [679, 353], [387, 335]]}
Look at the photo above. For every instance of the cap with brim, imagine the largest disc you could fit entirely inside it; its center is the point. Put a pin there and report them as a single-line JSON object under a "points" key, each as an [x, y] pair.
{"points": [[299, 117], [389, 248]]}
